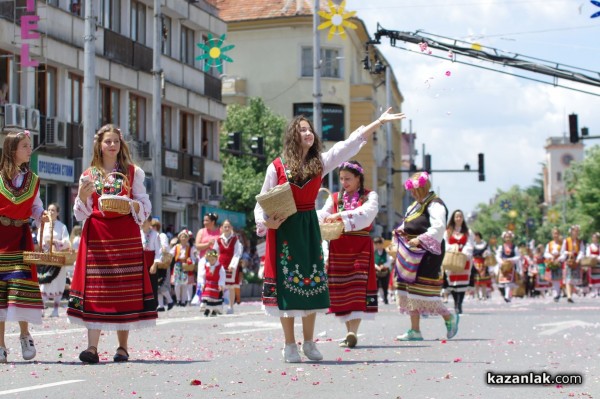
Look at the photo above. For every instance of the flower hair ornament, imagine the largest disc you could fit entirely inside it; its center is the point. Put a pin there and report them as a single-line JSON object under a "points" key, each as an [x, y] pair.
{"points": [[411, 184], [25, 133], [353, 166], [212, 252], [507, 234]]}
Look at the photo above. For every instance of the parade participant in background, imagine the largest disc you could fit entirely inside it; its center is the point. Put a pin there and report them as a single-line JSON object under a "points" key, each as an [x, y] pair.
{"points": [[211, 280], [553, 263], [541, 282], [507, 256], [293, 253], [110, 259], [230, 251], [206, 238], [593, 251], [163, 275], [351, 271], [458, 236], [53, 279], [483, 281], [184, 254], [20, 297], [423, 227], [571, 252], [152, 253], [383, 267]]}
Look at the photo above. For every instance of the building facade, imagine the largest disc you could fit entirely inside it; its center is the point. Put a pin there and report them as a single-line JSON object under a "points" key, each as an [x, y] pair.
{"points": [[47, 98], [559, 155]]}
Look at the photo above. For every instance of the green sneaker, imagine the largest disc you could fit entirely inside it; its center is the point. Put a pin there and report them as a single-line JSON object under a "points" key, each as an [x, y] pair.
{"points": [[410, 335], [452, 326]]}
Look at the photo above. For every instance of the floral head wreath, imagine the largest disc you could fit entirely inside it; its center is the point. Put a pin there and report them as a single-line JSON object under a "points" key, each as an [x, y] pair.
{"points": [[353, 166], [108, 128], [411, 184], [212, 252], [25, 133], [574, 227], [507, 234], [185, 232]]}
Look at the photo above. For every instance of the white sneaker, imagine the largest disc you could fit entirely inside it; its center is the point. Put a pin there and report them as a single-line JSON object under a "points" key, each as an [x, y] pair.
{"points": [[309, 348], [54, 313], [27, 347], [229, 311], [290, 354], [3, 354]]}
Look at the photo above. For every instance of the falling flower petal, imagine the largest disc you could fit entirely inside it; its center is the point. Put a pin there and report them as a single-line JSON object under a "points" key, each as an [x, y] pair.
{"points": [[195, 382]]}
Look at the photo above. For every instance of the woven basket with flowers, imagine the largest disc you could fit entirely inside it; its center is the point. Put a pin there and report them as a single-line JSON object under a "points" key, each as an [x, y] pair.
{"points": [[279, 200], [115, 203]]}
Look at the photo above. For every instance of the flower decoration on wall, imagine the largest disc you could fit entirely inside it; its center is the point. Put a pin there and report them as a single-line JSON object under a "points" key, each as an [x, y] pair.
{"points": [[505, 205], [553, 215], [214, 55], [597, 4], [513, 214], [336, 20]]}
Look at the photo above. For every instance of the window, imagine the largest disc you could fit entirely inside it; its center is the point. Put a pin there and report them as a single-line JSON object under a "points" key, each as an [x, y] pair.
{"points": [[109, 105], [186, 133], [137, 117], [187, 46], [110, 14], [76, 87], [330, 62], [209, 141], [138, 22], [77, 7], [166, 36], [558, 176], [46, 91], [165, 128], [8, 80]]}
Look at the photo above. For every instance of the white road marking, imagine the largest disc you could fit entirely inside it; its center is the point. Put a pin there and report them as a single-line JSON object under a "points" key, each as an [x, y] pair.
{"points": [[35, 387], [557, 327], [254, 327]]}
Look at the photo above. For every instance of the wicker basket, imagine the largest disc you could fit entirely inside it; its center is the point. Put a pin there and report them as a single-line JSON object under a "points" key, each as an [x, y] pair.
{"points": [[188, 267], [572, 263], [278, 200], [454, 262], [506, 267], [490, 260], [552, 265], [70, 256], [331, 231], [589, 261], [45, 258], [165, 261], [116, 203]]}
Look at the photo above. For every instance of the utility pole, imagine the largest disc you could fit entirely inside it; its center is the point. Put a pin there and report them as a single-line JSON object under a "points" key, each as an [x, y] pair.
{"points": [[156, 113], [317, 107], [390, 165], [89, 85]]}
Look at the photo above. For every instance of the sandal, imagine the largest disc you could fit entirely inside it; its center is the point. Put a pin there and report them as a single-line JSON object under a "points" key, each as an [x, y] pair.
{"points": [[121, 358], [89, 356]]}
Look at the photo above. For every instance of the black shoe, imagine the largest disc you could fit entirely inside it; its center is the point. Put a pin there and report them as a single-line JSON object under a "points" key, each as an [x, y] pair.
{"points": [[556, 298], [206, 312], [160, 309], [88, 356], [183, 304], [570, 300], [121, 358], [170, 306], [213, 314]]}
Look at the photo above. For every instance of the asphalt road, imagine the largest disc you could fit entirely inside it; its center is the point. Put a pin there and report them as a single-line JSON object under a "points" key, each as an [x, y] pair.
{"points": [[239, 355]]}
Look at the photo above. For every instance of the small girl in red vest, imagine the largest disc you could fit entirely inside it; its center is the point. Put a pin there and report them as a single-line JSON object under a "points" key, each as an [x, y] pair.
{"points": [[184, 278], [211, 277]]}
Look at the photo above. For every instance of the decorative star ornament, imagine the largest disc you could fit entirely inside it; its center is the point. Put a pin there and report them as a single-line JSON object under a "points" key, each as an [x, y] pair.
{"points": [[214, 54], [336, 20], [505, 205], [597, 4]]}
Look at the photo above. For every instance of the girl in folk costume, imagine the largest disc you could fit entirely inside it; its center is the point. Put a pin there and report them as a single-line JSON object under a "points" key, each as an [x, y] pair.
{"points": [[351, 270], [20, 297], [53, 279], [593, 251], [458, 238], [528, 271], [211, 279], [206, 238], [571, 252], [183, 280], [483, 281], [383, 267], [110, 260], [541, 282], [553, 263], [163, 275], [295, 279], [423, 227], [230, 251], [507, 256], [152, 253]]}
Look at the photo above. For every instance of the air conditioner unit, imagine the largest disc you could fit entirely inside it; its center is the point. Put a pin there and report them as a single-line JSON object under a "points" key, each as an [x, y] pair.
{"points": [[15, 116], [216, 189], [56, 132], [33, 119], [202, 193], [168, 186]]}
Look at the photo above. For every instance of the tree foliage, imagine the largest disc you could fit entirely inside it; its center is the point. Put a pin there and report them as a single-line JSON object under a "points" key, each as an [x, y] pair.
{"points": [[243, 175], [584, 183]]}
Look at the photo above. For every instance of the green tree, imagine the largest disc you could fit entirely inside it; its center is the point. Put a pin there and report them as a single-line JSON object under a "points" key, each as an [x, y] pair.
{"points": [[243, 176], [583, 181]]}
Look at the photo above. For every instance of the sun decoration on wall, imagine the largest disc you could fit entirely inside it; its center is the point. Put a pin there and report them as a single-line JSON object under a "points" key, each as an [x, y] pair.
{"points": [[505, 205], [597, 4], [214, 54], [337, 19]]}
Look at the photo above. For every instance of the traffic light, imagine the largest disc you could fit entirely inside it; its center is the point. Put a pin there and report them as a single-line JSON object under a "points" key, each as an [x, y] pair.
{"points": [[234, 142], [257, 147], [412, 168], [427, 163], [573, 129], [480, 167]]}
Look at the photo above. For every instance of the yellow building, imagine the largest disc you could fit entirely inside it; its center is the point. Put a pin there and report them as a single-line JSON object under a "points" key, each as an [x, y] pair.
{"points": [[273, 59]]}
